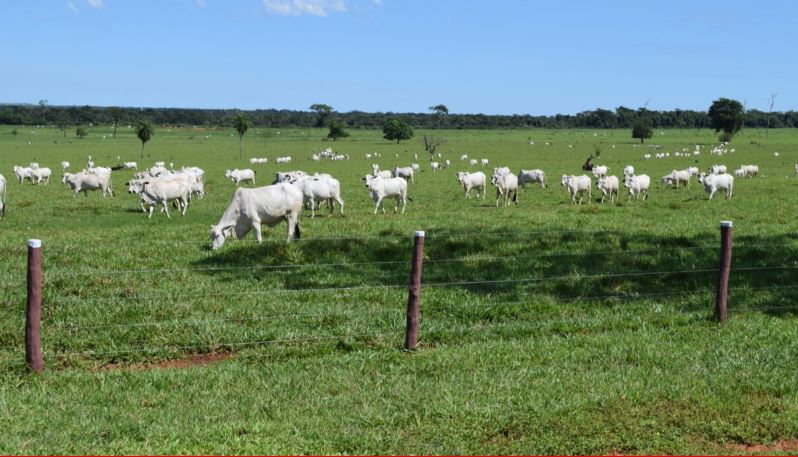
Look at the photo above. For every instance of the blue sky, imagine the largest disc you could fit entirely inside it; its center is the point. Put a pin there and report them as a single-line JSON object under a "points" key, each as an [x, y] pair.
{"points": [[493, 57]]}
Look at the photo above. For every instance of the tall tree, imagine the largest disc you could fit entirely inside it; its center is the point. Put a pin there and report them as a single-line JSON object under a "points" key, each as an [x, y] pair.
{"points": [[115, 113], [396, 129], [241, 124], [144, 131], [726, 115], [771, 101], [337, 130], [43, 105], [322, 113], [641, 129], [440, 112]]}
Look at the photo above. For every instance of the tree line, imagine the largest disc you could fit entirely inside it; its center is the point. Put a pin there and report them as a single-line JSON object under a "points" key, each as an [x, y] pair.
{"points": [[621, 118]]}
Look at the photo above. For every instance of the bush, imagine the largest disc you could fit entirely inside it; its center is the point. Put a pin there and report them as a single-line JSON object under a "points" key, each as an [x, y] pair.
{"points": [[724, 137], [14, 132], [81, 132]]}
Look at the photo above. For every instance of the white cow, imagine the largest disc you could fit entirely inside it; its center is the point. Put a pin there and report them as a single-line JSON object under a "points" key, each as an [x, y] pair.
{"points": [[320, 188], [473, 162], [717, 169], [437, 166], [693, 171], [288, 176], [608, 185], [85, 181], [600, 171], [404, 172], [637, 184], [380, 188], [65, 165], [42, 175], [470, 181], [484, 162], [2, 195], [160, 191], [238, 176], [535, 175], [23, 173], [713, 183], [130, 166], [375, 171], [464, 157], [628, 170], [677, 176], [505, 183], [750, 170], [263, 205], [578, 185]]}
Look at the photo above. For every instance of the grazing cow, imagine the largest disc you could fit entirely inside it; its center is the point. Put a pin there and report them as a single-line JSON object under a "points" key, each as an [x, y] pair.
{"points": [[319, 188], [42, 175], [713, 183], [380, 188], [238, 176], [64, 165], [600, 170], [535, 175], [750, 170], [608, 185], [130, 166], [85, 181], [2, 195], [484, 162], [263, 205], [637, 184], [677, 176], [473, 162], [464, 157], [404, 172], [472, 181], [578, 185], [505, 183]]}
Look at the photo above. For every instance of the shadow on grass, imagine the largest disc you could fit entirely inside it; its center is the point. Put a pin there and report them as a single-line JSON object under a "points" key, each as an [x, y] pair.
{"points": [[564, 265]]}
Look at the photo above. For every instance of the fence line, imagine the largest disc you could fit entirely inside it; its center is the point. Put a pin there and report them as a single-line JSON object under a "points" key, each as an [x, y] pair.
{"points": [[440, 284]]}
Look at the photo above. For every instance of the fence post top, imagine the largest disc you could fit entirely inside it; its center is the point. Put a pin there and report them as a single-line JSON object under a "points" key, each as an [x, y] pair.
{"points": [[419, 233], [34, 243], [725, 223]]}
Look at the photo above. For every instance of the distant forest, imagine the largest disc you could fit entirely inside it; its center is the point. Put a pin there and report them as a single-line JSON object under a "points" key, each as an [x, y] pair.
{"points": [[621, 117]]}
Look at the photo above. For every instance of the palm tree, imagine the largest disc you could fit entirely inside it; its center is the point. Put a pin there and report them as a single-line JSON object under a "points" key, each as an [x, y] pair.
{"points": [[144, 131], [241, 124]]}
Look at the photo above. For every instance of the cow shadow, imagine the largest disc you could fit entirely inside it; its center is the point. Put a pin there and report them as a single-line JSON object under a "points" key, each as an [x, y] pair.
{"points": [[608, 267]]}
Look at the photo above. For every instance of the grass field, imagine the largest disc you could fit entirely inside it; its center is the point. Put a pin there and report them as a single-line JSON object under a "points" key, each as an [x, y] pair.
{"points": [[546, 327]]}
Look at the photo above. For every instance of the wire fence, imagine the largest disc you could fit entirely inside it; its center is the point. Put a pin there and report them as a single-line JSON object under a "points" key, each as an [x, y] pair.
{"points": [[376, 316]]}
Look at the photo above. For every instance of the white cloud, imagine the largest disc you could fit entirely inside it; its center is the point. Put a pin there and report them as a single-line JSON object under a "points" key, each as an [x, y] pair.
{"points": [[72, 7], [96, 4], [300, 7]]}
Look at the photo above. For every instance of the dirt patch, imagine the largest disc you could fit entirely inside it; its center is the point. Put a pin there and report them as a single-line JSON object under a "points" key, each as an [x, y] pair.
{"points": [[186, 362], [783, 445]]}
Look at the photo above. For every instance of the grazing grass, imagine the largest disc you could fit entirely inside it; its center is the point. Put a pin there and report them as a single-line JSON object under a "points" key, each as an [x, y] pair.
{"points": [[546, 327]]}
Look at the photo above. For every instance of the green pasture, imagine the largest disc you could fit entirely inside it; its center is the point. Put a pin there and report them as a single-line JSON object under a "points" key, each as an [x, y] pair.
{"points": [[546, 327]]}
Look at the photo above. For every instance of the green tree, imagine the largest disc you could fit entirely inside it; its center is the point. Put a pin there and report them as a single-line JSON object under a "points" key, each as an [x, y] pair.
{"points": [[641, 128], [267, 134], [440, 112], [322, 113], [144, 131], [337, 130], [62, 121], [726, 115], [241, 124], [115, 114], [396, 129], [81, 132]]}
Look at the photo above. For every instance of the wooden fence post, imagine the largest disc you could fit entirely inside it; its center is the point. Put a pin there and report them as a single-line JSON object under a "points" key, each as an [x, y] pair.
{"points": [[722, 293], [33, 314], [414, 292]]}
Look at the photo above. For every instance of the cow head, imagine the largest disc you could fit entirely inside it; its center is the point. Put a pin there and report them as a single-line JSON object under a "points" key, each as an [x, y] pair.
{"points": [[218, 235]]}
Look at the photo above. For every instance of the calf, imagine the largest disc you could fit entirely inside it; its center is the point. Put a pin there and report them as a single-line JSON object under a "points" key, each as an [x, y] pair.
{"points": [[608, 185], [713, 183], [505, 183], [319, 188]]}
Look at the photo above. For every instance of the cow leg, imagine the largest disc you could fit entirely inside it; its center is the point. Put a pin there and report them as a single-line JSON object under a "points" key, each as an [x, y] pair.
{"points": [[404, 202], [166, 210], [340, 202], [376, 208], [256, 227], [151, 208]]}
